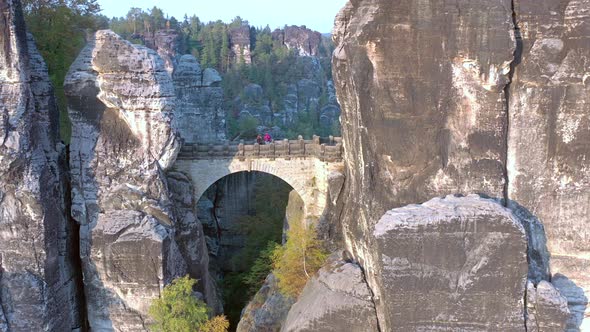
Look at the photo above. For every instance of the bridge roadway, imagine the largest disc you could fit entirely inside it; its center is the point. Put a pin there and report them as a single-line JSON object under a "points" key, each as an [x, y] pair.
{"points": [[305, 165]]}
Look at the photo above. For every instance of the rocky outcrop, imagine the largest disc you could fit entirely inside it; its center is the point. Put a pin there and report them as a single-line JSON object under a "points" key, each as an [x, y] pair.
{"points": [[304, 41], [546, 308], [337, 299], [482, 97], [166, 42], [548, 150], [199, 115], [120, 101], [191, 239], [239, 38], [267, 311], [452, 263], [309, 95], [38, 279]]}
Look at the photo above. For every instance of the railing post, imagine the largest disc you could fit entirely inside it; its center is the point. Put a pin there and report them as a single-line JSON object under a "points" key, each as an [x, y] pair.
{"points": [[241, 149], [272, 150], [301, 144], [322, 150], [287, 147], [316, 139], [257, 149]]}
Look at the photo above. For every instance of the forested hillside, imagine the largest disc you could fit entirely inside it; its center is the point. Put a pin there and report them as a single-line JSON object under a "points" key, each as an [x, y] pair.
{"points": [[268, 85]]}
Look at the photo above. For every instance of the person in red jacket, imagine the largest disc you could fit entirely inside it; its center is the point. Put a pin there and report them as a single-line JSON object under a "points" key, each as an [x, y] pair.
{"points": [[267, 138]]}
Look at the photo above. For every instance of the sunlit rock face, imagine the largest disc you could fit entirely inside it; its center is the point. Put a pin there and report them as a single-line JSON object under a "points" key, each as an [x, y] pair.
{"points": [[487, 97], [38, 281], [456, 263], [304, 41], [120, 101], [336, 299], [549, 136]]}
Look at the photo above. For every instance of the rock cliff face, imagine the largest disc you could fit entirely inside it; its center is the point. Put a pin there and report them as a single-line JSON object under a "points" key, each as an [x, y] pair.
{"points": [[305, 41], [483, 97], [239, 38], [38, 279], [199, 113], [549, 132], [337, 299], [120, 101], [166, 43]]}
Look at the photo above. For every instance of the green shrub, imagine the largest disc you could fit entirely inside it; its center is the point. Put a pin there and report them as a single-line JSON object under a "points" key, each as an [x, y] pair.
{"points": [[178, 310], [299, 259]]}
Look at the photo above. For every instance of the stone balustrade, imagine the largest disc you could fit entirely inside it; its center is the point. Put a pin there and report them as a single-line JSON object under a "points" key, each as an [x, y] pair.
{"points": [[326, 149]]}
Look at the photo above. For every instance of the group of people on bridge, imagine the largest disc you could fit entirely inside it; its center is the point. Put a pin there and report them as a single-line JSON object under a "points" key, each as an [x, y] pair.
{"points": [[266, 140]]}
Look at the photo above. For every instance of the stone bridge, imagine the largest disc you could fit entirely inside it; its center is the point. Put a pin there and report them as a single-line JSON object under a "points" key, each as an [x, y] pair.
{"points": [[305, 165]]}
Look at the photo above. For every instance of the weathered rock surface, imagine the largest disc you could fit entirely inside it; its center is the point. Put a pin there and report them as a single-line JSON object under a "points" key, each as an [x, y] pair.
{"points": [[120, 101], [166, 42], [548, 150], [199, 114], [38, 281], [191, 239], [239, 38], [305, 41], [337, 299], [267, 311], [546, 308], [483, 97], [450, 263]]}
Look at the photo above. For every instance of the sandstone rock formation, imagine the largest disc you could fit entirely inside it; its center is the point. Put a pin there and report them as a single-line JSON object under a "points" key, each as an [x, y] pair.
{"points": [[120, 101], [199, 115], [549, 132], [453, 263], [191, 239], [305, 41], [239, 38], [166, 43], [482, 97], [267, 311], [38, 279], [337, 299], [546, 308]]}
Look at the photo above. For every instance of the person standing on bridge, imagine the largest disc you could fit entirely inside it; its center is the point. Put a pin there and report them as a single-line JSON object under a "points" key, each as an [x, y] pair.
{"points": [[259, 139], [267, 138]]}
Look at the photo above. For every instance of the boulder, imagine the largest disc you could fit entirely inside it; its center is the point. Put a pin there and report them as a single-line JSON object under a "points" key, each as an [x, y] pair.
{"points": [[546, 308], [454, 263], [337, 299], [267, 311]]}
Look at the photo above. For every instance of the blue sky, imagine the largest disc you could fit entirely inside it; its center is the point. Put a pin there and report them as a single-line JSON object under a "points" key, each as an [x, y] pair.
{"points": [[315, 14]]}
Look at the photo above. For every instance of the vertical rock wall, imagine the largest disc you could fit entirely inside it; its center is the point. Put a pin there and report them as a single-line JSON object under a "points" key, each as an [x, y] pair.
{"points": [[422, 85], [38, 290], [549, 136], [199, 113], [463, 97], [120, 101]]}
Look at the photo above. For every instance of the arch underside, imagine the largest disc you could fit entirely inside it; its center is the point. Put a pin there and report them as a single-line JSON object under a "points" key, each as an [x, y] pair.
{"points": [[307, 176]]}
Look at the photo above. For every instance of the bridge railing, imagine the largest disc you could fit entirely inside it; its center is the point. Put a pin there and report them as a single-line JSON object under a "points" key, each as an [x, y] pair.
{"points": [[326, 149]]}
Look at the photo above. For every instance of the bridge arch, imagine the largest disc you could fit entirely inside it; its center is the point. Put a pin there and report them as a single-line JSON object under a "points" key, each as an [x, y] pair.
{"points": [[303, 164]]}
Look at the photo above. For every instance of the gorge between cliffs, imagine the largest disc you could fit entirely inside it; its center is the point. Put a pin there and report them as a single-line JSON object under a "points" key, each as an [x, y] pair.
{"points": [[428, 164]]}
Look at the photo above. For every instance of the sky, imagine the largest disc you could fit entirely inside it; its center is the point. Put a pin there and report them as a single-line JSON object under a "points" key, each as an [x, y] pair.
{"points": [[315, 14]]}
